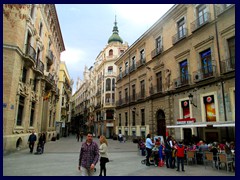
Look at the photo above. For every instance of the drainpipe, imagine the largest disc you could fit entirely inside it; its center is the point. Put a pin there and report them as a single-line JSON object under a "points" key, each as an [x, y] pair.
{"points": [[219, 61]]}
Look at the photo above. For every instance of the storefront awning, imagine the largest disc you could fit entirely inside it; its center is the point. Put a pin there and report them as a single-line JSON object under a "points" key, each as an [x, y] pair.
{"points": [[224, 125], [187, 126]]}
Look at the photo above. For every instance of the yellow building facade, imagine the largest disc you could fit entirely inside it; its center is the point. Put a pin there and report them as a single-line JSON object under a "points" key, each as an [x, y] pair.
{"points": [[178, 78], [32, 44]]}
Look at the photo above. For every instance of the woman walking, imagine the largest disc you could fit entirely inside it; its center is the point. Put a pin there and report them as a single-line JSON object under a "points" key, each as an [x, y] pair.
{"points": [[103, 154]]}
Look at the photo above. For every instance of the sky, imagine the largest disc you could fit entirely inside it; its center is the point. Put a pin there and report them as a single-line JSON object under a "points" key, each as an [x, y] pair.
{"points": [[86, 29]]}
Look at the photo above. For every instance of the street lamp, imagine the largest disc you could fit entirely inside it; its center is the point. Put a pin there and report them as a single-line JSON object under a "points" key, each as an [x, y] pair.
{"points": [[190, 96]]}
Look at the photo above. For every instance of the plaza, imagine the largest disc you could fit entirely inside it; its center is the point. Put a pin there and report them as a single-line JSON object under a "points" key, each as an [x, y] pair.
{"points": [[61, 159]]}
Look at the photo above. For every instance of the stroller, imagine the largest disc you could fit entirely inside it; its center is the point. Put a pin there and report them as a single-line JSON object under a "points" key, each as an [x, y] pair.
{"points": [[151, 159], [39, 149]]}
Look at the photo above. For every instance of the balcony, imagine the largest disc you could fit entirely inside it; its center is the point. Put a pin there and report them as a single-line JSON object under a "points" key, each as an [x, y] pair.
{"points": [[39, 67], [132, 98], [155, 89], [179, 36], [119, 77], [201, 21], [141, 62], [182, 81], [156, 52], [30, 55], [141, 95], [228, 65], [50, 57], [132, 68], [204, 73]]}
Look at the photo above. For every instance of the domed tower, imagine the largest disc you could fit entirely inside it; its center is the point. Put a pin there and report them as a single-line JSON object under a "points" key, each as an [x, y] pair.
{"points": [[115, 37]]}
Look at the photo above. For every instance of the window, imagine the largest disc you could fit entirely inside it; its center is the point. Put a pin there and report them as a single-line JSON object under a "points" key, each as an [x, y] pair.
{"points": [[126, 119], [142, 117], [210, 108], [142, 83], [126, 95], [184, 72], [181, 29], [133, 118], [50, 119], [113, 97], [110, 52], [159, 42], [121, 51], [120, 120], [202, 14], [32, 114], [110, 69], [133, 92], [20, 110], [126, 67], [108, 98], [120, 97], [133, 64], [185, 109], [206, 61], [40, 29], [113, 84], [109, 114], [108, 84], [62, 101], [120, 72], [142, 56], [24, 75], [231, 47], [159, 82]]}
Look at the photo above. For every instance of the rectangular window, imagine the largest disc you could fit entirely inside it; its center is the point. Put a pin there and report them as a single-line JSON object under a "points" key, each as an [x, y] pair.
{"points": [[184, 72], [24, 75], [133, 92], [120, 120], [32, 114], [20, 110], [231, 47], [62, 101], [126, 95], [110, 69], [142, 56], [181, 29], [133, 118], [126, 67], [202, 14], [159, 82], [159, 43], [185, 109], [50, 119], [206, 61], [126, 119], [142, 83], [142, 117]]}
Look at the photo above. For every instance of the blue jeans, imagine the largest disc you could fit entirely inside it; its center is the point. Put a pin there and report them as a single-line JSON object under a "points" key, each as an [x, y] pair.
{"points": [[168, 154]]}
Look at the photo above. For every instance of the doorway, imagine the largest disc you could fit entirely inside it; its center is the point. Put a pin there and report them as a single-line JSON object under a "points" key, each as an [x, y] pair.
{"points": [[161, 124]]}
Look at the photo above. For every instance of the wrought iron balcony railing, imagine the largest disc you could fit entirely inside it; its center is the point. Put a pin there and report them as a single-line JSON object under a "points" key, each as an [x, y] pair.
{"points": [[31, 52], [228, 65], [182, 80], [200, 21], [204, 73], [180, 35], [156, 52]]}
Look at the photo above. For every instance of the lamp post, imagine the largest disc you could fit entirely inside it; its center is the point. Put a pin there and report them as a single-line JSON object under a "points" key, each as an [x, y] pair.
{"points": [[190, 96]]}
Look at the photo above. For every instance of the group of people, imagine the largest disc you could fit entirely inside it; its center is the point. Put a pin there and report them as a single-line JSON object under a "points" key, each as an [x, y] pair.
{"points": [[41, 141], [89, 155], [168, 152]]}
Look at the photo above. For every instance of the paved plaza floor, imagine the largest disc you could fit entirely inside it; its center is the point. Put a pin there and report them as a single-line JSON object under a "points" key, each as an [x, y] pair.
{"points": [[61, 159]]}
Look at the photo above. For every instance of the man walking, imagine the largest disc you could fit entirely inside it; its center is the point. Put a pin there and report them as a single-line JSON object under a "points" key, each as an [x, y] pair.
{"points": [[89, 155], [31, 141]]}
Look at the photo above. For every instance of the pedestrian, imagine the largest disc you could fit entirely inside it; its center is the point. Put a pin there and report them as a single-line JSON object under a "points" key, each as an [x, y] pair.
{"points": [[81, 135], [180, 156], [42, 141], [103, 154], [77, 135], [31, 141], [120, 137], [168, 152], [149, 145], [88, 156]]}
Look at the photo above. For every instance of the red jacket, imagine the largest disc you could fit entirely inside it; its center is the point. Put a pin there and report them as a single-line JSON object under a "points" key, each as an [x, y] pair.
{"points": [[180, 151]]}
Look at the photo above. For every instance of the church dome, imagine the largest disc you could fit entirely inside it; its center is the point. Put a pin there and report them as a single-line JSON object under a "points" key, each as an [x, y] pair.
{"points": [[115, 37]]}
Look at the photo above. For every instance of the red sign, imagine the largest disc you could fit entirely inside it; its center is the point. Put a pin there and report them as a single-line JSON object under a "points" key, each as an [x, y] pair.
{"points": [[186, 121]]}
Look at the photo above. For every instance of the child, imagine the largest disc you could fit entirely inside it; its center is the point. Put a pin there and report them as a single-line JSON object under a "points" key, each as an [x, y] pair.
{"points": [[180, 156]]}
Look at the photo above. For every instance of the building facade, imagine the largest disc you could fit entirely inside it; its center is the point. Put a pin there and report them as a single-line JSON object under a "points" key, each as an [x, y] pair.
{"points": [[178, 78], [32, 44], [63, 112]]}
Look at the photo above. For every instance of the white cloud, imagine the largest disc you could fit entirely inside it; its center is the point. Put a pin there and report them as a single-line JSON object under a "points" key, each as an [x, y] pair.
{"points": [[141, 14]]}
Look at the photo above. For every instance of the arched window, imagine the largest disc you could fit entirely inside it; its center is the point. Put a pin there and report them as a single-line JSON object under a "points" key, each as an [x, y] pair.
{"points": [[108, 84], [110, 52]]}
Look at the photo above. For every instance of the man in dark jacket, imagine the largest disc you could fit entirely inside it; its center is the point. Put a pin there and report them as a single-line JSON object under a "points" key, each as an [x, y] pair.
{"points": [[31, 141]]}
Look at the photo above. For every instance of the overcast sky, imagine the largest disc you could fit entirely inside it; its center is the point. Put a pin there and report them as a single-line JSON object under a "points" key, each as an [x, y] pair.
{"points": [[87, 27]]}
